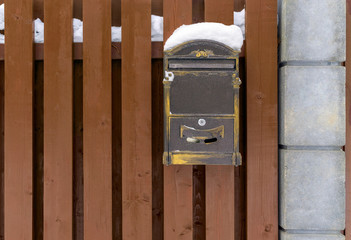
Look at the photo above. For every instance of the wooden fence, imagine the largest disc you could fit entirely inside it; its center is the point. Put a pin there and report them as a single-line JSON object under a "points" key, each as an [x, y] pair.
{"points": [[81, 153]]}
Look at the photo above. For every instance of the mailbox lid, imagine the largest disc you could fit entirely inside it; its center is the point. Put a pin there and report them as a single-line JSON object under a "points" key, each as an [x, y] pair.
{"points": [[202, 93], [202, 134]]}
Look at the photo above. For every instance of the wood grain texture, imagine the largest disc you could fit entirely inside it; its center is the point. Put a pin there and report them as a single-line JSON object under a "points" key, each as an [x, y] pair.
{"points": [[262, 120], [136, 120], [58, 120], [220, 188], [348, 121], [18, 182], [18, 119], [178, 190], [176, 13], [220, 203], [219, 11], [178, 180], [97, 120]]}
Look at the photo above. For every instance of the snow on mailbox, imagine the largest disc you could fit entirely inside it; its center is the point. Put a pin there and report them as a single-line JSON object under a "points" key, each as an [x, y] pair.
{"points": [[201, 95]]}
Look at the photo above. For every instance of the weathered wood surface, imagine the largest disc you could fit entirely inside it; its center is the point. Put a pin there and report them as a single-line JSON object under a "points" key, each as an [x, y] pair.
{"points": [[136, 120], [58, 120], [18, 115], [262, 120], [97, 120]]}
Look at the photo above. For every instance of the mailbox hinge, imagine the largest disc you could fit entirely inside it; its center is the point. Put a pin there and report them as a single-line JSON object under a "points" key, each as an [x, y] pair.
{"points": [[237, 159]]}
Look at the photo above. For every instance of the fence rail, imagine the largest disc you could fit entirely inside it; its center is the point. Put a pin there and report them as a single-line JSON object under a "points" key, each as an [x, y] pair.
{"points": [[81, 153]]}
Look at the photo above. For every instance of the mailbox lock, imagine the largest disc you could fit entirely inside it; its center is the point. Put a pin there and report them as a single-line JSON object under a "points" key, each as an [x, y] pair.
{"points": [[202, 122]]}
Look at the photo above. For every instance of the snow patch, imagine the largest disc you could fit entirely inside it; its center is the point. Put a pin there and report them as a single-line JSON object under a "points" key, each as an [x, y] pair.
{"points": [[38, 31], [156, 28], [229, 35], [116, 34], [239, 20], [77, 30], [2, 17]]}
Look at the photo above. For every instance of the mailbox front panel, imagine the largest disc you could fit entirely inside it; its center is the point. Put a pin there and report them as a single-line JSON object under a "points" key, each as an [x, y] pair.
{"points": [[204, 93], [215, 134], [201, 94]]}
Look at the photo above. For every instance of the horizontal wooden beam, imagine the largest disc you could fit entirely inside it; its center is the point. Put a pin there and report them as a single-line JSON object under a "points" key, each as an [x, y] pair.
{"points": [[116, 51]]}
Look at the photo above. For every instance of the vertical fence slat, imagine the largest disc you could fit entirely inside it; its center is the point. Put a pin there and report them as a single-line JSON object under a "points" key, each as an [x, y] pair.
{"points": [[220, 194], [58, 125], [262, 120], [178, 180], [18, 119], [97, 120], [220, 203], [219, 11], [348, 120], [136, 120]]}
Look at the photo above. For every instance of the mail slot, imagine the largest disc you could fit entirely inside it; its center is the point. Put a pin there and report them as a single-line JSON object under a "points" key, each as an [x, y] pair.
{"points": [[201, 104]]}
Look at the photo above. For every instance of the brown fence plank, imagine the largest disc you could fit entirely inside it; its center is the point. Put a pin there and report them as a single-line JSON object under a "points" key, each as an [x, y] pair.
{"points": [[262, 119], [176, 13], [178, 180], [219, 11], [348, 121], [136, 120], [58, 125], [18, 119], [97, 120], [220, 194], [220, 203]]}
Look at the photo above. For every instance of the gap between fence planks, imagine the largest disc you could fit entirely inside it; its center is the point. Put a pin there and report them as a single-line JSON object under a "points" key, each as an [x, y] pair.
{"points": [[97, 120], [220, 188], [136, 120], [18, 120], [58, 125], [178, 180], [262, 120], [348, 120]]}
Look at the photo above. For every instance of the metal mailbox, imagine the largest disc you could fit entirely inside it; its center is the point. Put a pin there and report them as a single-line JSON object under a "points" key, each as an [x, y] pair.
{"points": [[201, 104]]}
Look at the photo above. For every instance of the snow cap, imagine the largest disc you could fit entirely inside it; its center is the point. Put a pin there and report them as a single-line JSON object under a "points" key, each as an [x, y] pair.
{"points": [[229, 35]]}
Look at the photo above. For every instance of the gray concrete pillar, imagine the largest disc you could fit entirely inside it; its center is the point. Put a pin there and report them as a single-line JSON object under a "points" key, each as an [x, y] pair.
{"points": [[312, 119]]}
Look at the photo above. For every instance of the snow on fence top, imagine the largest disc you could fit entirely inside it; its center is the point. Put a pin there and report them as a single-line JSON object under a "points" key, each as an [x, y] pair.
{"points": [[156, 28], [229, 35]]}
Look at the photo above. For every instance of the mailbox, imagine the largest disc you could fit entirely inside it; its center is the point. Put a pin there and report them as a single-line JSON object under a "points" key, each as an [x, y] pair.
{"points": [[201, 104]]}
